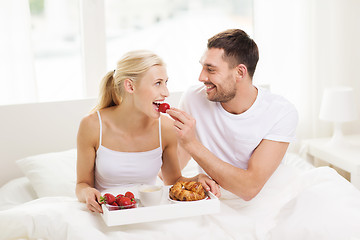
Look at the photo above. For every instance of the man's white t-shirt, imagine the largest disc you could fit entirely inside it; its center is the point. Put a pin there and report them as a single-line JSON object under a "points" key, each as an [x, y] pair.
{"points": [[233, 137]]}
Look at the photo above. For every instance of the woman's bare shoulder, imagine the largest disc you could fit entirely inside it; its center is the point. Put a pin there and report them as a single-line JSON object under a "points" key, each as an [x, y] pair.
{"points": [[89, 127], [90, 121]]}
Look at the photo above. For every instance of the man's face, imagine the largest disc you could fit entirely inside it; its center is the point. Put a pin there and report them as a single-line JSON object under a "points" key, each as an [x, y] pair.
{"points": [[218, 78]]}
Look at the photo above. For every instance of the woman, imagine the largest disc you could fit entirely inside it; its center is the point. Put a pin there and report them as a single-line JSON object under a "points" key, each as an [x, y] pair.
{"points": [[126, 140]]}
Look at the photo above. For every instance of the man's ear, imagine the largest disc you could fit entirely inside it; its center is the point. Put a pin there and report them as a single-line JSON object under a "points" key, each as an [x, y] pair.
{"points": [[129, 85], [241, 71]]}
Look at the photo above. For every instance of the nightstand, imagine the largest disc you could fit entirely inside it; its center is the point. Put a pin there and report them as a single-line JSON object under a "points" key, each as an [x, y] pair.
{"points": [[345, 157]]}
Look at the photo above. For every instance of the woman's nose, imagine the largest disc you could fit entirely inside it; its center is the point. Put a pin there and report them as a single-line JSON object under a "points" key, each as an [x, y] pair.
{"points": [[165, 92]]}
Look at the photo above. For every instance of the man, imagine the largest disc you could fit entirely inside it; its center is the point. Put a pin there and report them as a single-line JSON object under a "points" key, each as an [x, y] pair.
{"points": [[236, 132]]}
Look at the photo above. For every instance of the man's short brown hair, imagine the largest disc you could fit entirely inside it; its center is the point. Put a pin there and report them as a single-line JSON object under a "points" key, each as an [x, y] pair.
{"points": [[238, 47]]}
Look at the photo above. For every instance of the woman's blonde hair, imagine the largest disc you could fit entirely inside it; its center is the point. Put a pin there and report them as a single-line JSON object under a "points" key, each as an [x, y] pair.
{"points": [[132, 65]]}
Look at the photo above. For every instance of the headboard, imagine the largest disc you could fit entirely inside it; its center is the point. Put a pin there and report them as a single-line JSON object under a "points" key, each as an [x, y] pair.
{"points": [[35, 128]]}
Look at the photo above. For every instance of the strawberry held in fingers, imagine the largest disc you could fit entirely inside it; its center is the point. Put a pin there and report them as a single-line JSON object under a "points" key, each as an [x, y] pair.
{"points": [[163, 107]]}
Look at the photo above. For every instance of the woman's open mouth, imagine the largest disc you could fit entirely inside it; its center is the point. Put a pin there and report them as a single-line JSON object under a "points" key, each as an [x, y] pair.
{"points": [[157, 104]]}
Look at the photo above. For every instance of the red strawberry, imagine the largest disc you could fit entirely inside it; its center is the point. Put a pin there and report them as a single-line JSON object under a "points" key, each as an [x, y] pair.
{"points": [[107, 198], [125, 201], [119, 196], [130, 195], [163, 107]]}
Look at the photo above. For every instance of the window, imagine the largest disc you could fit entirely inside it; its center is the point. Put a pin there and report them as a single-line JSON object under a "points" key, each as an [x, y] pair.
{"points": [[43, 56], [56, 48], [177, 30]]}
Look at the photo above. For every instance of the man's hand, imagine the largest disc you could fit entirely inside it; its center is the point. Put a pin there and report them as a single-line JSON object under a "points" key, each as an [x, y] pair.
{"points": [[209, 184], [184, 126]]}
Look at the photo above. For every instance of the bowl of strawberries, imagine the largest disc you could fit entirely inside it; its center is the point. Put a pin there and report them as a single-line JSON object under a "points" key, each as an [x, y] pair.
{"points": [[119, 202]]}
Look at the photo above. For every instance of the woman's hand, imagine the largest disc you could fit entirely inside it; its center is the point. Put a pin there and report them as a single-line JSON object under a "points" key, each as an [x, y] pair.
{"points": [[92, 199], [209, 184]]}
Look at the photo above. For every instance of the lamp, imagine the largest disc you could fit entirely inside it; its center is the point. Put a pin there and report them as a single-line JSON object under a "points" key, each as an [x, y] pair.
{"points": [[338, 106]]}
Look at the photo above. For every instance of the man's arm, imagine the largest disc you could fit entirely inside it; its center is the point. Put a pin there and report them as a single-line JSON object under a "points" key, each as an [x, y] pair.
{"points": [[244, 183]]}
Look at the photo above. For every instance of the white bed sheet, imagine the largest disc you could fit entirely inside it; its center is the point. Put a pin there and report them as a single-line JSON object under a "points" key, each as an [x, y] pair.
{"points": [[313, 204]]}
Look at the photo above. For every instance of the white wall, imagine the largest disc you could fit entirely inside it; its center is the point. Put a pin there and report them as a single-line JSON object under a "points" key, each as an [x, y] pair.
{"points": [[336, 39], [304, 47]]}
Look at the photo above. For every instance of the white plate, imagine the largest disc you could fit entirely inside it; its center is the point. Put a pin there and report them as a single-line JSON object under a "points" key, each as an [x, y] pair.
{"points": [[177, 201]]}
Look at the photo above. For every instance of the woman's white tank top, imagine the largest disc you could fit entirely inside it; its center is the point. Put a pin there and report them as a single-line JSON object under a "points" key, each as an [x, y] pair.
{"points": [[114, 169]]}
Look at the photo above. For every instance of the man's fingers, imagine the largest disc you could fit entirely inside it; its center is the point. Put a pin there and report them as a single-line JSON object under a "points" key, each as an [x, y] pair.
{"points": [[214, 187], [178, 115], [172, 116], [216, 190], [184, 113], [178, 125], [205, 185]]}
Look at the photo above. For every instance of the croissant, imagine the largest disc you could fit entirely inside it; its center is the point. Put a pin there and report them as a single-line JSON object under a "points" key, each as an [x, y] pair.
{"points": [[187, 191]]}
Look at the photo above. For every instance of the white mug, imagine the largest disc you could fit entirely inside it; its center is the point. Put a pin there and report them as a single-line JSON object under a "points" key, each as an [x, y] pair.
{"points": [[150, 195]]}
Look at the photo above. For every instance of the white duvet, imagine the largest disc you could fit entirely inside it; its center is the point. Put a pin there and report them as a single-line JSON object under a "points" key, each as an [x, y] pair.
{"points": [[314, 204]]}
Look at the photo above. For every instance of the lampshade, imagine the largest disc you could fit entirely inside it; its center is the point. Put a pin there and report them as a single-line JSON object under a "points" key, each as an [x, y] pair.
{"points": [[338, 105]]}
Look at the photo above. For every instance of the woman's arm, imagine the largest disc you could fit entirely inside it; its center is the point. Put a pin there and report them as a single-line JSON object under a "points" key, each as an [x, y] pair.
{"points": [[86, 153], [170, 168]]}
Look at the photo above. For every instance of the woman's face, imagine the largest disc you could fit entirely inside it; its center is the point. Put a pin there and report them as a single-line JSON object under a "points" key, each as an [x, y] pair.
{"points": [[151, 90]]}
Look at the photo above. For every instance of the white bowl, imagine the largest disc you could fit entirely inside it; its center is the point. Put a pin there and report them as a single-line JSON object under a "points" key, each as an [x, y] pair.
{"points": [[150, 195]]}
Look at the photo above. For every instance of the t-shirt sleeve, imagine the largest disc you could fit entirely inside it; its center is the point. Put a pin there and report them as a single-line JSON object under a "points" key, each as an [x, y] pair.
{"points": [[284, 130]]}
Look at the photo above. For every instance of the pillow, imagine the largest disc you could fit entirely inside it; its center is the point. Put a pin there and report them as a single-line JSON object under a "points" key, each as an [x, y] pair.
{"points": [[15, 192], [51, 174]]}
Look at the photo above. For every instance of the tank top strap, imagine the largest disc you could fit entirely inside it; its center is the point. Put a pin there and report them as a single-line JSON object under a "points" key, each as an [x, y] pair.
{"points": [[98, 113], [160, 132]]}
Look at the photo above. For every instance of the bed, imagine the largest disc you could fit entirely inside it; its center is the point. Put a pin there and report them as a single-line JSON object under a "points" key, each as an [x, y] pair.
{"points": [[37, 198]]}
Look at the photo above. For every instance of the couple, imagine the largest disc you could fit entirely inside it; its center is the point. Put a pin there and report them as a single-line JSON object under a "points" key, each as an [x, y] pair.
{"points": [[236, 132]]}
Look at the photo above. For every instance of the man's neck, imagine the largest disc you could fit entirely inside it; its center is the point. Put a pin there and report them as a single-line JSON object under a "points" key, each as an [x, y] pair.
{"points": [[245, 97]]}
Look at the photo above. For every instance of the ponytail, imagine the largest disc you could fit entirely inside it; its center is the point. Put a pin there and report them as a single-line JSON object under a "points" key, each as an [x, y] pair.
{"points": [[108, 92]]}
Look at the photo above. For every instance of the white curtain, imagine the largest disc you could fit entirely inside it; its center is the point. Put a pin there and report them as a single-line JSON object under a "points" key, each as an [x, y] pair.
{"points": [[17, 74], [306, 46]]}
